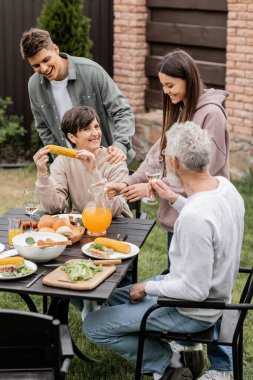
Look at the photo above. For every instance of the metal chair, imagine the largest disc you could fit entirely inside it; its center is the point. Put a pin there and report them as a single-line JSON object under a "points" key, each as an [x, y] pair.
{"points": [[231, 330], [136, 205], [33, 346]]}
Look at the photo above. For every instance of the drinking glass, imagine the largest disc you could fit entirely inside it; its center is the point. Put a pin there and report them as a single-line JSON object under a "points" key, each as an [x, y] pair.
{"points": [[153, 172], [15, 228], [31, 203]]}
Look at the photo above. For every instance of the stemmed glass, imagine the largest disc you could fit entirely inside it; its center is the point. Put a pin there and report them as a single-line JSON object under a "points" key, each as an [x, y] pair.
{"points": [[31, 203], [153, 172]]}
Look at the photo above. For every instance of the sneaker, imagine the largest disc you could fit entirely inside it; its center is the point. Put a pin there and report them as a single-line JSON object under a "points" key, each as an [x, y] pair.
{"points": [[177, 374], [217, 375], [191, 357]]}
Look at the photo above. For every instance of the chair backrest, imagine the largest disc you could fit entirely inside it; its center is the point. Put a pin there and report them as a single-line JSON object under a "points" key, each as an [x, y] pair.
{"points": [[136, 205], [246, 298], [29, 341]]}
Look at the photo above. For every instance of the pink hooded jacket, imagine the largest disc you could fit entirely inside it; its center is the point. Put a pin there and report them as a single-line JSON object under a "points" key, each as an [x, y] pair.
{"points": [[210, 114]]}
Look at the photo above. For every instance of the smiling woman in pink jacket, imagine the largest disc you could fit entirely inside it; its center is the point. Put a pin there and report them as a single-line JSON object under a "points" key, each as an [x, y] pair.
{"points": [[184, 98]]}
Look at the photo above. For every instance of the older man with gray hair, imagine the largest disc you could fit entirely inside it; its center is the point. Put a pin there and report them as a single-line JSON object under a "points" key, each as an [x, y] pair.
{"points": [[205, 254]]}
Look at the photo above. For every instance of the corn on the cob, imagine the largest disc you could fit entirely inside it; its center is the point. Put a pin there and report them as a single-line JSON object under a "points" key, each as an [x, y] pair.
{"points": [[119, 246], [12, 261], [61, 150]]}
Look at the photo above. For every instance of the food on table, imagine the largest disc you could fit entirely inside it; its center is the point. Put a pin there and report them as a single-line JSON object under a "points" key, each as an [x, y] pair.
{"points": [[81, 270], [55, 149], [47, 229], [30, 241], [67, 226], [11, 261], [66, 231], [117, 245], [100, 250], [59, 222], [46, 221], [13, 266], [28, 224]]}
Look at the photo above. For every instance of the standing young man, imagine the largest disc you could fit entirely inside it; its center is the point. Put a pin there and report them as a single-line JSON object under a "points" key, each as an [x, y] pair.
{"points": [[62, 81]]}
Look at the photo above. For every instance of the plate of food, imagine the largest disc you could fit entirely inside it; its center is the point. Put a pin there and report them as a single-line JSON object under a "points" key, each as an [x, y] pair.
{"points": [[104, 248], [12, 268], [2, 247]]}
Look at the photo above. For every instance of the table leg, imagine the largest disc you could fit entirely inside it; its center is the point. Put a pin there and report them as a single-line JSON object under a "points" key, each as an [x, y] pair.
{"points": [[27, 299], [59, 308]]}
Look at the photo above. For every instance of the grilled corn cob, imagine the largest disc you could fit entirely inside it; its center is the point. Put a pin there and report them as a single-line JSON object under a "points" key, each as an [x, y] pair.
{"points": [[119, 246], [61, 150], [17, 261]]}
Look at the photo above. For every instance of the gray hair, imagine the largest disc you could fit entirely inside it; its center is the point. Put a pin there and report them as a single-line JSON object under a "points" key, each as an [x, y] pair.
{"points": [[191, 144]]}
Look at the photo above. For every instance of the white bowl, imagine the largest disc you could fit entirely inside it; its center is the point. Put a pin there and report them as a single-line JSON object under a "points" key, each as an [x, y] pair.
{"points": [[35, 253]]}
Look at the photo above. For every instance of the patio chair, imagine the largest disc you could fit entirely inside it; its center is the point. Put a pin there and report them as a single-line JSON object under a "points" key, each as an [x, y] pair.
{"points": [[231, 330], [33, 346]]}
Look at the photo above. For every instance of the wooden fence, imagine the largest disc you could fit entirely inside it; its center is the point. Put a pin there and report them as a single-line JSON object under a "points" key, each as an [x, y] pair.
{"points": [[197, 26], [19, 15]]}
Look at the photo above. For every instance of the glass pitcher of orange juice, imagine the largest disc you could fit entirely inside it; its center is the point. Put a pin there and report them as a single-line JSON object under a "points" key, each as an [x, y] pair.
{"points": [[97, 215]]}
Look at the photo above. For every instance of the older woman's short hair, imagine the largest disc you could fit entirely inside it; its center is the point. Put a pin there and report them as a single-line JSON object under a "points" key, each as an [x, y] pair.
{"points": [[191, 144]]}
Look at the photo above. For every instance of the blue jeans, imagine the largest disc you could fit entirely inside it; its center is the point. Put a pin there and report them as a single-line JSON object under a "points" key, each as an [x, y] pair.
{"points": [[116, 327]]}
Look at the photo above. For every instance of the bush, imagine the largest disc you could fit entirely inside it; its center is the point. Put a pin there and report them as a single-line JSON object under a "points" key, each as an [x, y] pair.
{"points": [[11, 132], [67, 25]]}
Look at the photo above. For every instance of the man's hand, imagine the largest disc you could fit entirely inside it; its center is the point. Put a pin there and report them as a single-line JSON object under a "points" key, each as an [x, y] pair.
{"points": [[116, 155], [137, 292], [164, 191], [88, 159], [40, 159], [134, 192], [113, 189]]}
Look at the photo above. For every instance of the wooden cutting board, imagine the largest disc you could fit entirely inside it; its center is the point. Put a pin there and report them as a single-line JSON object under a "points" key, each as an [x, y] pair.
{"points": [[57, 278]]}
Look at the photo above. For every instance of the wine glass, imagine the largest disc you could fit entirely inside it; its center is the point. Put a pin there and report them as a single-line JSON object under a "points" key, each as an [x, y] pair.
{"points": [[31, 203], [153, 172]]}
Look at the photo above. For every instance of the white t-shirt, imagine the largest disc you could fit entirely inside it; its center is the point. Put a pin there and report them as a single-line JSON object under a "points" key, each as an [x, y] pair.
{"points": [[61, 98]]}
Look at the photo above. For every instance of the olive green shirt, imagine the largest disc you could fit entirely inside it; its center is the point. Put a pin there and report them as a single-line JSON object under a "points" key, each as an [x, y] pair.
{"points": [[90, 85]]}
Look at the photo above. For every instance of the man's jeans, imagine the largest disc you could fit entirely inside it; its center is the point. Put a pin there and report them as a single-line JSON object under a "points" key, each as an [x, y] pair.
{"points": [[116, 327]]}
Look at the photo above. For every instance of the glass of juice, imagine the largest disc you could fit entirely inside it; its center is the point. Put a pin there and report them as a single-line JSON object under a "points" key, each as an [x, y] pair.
{"points": [[15, 228]]}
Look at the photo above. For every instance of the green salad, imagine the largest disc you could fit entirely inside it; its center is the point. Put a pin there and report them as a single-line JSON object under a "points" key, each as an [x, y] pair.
{"points": [[81, 270], [19, 271]]}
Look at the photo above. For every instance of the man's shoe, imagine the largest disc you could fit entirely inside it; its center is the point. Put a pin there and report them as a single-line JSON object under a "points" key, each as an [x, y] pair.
{"points": [[217, 375], [177, 374], [191, 357]]}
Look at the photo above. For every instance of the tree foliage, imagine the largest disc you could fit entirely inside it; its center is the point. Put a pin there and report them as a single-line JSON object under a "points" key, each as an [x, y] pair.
{"points": [[11, 133], [67, 25]]}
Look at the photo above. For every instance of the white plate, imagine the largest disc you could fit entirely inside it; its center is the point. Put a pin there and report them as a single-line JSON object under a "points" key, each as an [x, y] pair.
{"points": [[29, 264], [2, 247], [67, 215], [116, 255]]}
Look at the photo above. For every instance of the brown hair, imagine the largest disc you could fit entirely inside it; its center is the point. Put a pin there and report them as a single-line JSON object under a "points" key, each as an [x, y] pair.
{"points": [[179, 64], [33, 41], [76, 119]]}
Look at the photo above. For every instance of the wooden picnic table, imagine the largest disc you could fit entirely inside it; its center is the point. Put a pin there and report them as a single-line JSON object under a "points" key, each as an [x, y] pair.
{"points": [[137, 231]]}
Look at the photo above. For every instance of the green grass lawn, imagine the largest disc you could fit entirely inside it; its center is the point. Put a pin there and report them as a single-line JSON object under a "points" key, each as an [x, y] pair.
{"points": [[152, 260]]}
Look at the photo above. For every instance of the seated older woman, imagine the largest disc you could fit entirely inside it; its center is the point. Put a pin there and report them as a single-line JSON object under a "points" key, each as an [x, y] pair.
{"points": [[70, 179]]}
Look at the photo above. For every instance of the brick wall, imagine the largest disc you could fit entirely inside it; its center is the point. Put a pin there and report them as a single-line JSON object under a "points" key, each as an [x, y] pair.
{"points": [[130, 50], [239, 84]]}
